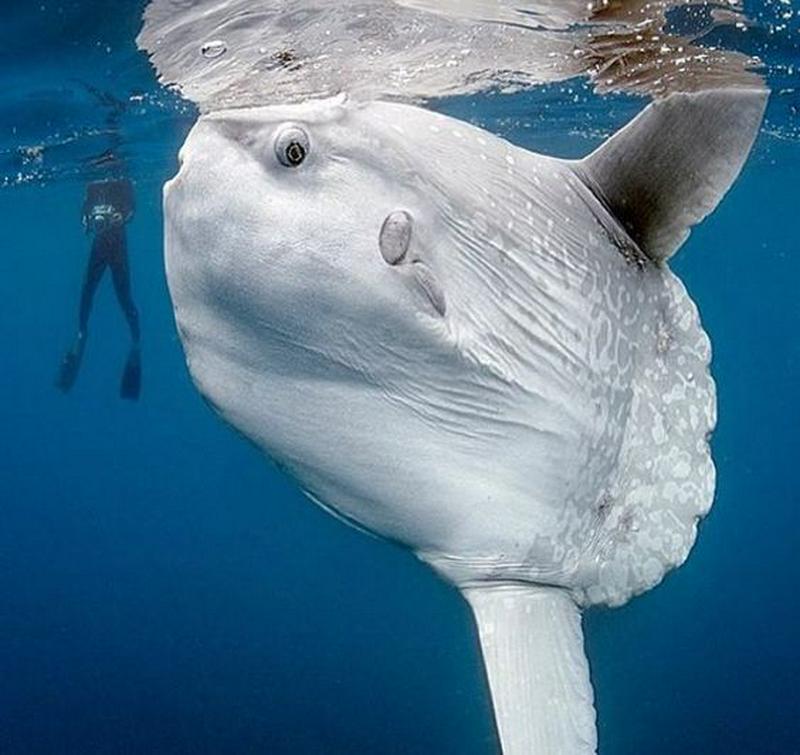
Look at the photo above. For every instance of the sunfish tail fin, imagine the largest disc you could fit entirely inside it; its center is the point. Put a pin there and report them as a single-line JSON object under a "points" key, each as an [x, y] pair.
{"points": [[532, 645], [670, 167]]}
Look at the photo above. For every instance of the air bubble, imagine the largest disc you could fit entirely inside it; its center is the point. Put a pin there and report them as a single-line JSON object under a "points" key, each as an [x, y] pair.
{"points": [[213, 49]]}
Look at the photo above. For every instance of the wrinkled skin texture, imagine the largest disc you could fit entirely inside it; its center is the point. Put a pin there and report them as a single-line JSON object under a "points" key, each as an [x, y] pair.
{"points": [[499, 399]]}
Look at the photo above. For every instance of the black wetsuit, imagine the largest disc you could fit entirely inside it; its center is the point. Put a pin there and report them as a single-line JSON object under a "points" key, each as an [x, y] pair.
{"points": [[110, 250], [109, 205]]}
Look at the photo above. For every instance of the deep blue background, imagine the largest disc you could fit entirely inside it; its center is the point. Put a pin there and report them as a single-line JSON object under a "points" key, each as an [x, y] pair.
{"points": [[163, 590]]}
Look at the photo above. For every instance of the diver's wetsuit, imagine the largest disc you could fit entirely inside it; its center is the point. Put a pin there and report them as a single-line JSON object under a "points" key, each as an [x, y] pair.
{"points": [[109, 250], [109, 205]]}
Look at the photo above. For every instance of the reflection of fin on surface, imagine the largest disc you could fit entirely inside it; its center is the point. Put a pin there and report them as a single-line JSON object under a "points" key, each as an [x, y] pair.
{"points": [[71, 364], [131, 384]]}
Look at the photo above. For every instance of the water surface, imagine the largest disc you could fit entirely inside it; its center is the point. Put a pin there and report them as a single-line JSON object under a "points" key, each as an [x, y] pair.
{"points": [[163, 590]]}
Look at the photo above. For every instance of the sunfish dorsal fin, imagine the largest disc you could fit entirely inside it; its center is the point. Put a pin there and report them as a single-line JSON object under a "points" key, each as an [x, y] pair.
{"points": [[669, 167]]}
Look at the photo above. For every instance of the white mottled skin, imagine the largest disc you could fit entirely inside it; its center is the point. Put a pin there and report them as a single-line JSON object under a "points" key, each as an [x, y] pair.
{"points": [[483, 440], [549, 430]]}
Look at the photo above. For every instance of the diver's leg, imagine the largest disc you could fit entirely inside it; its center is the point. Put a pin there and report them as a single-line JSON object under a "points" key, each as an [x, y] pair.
{"points": [[70, 364], [131, 384], [94, 274], [122, 285]]}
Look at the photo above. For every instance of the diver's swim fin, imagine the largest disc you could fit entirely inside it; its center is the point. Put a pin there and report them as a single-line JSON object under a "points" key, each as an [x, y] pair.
{"points": [[71, 364], [131, 384]]}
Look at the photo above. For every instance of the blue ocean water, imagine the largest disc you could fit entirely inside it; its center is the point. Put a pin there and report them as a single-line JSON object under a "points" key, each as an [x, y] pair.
{"points": [[163, 590]]}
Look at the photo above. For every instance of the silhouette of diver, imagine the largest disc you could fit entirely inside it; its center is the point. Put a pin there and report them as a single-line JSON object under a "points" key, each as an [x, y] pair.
{"points": [[108, 206]]}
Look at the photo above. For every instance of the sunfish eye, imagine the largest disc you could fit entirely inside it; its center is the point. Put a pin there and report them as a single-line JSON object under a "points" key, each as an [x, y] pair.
{"points": [[291, 146]]}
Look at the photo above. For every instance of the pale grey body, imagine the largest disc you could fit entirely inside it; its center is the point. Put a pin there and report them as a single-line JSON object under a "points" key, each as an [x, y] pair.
{"points": [[470, 349]]}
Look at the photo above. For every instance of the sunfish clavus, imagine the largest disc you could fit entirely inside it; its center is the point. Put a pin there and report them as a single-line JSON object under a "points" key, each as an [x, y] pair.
{"points": [[471, 349]]}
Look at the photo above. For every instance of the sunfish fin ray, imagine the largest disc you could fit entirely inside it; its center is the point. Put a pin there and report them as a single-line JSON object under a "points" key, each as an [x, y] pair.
{"points": [[669, 168], [532, 645]]}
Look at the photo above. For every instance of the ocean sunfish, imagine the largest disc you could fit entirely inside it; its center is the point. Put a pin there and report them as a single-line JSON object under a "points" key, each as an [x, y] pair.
{"points": [[470, 349]]}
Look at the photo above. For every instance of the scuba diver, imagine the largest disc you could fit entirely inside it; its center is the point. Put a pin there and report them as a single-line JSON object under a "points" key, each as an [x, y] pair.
{"points": [[108, 207]]}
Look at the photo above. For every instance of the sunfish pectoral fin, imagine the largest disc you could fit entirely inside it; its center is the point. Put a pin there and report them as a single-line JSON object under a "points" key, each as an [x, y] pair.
{"points": [[670, 167], [532, 645]]}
